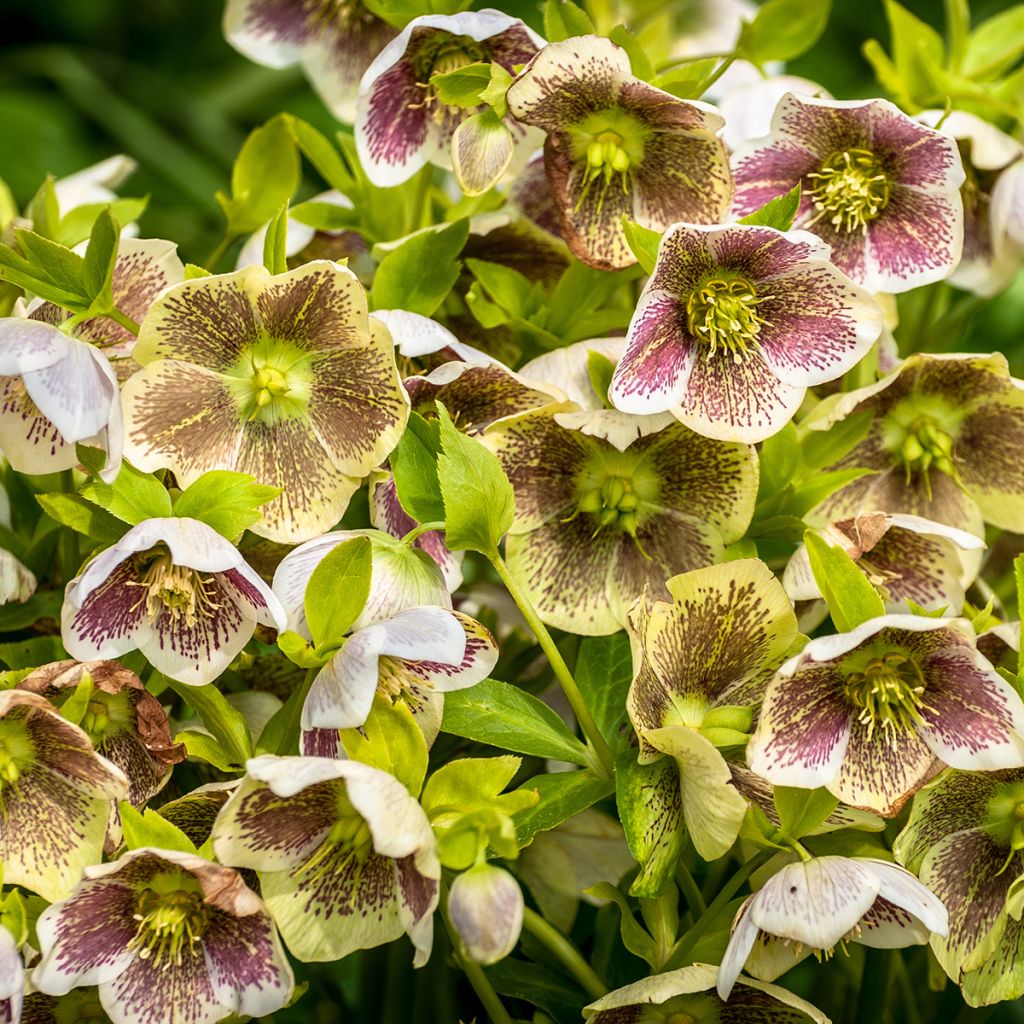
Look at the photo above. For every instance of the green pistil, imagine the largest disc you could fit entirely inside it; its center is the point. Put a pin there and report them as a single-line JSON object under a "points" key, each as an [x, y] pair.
{"points": [[172, 919], [921, 434], [608, 146], [17, 754], [1004, 818], [614, 506], [850, 190], [722, 312], [105, 715], [271, 382], [889, 691]]}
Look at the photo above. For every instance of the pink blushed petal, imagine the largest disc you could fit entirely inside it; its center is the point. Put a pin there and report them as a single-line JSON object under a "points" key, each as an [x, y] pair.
{"points": [[918, 155], [764, 171], [110, 620]]}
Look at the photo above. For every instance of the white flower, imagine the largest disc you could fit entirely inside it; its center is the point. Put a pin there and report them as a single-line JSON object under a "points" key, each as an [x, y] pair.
{"points": [[486, 908]]}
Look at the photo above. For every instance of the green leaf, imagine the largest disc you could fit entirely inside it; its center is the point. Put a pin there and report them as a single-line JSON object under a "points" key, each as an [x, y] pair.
{"points": [[53, 262], [74, 707], [299, 651], [821, 448], [281, 733], [44, 209], [779, 460], [778, 212], [801, 811], [604, 671], [150, 829], [600, 370], [640, 64], [463, 86], [228, 501], [321, 153], [850, 597], [77, 224], [643, 242], [504, 716], [468, 781], [421, 271], [689, 80], [634, 937], [390, 740], [133, 496], [100, 259], [511, 290], [37, 650], [497, 88], [478, 501], [563, 20], [8, 206], [414, 465], [783, 30], [337, 590], [995, 45], [323, 216], [562, 795], [225, 724], [275, 243], [73, 511], [22, 273]]}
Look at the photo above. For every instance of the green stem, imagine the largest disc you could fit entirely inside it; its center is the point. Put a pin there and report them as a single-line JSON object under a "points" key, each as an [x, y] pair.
{"points": [[874, 985], [719, 71], [680, 955], [473, 971], [418, 531], [694, 900], [211, 261], [125, 321], [561, 670], [565, 953], [69, 553]]}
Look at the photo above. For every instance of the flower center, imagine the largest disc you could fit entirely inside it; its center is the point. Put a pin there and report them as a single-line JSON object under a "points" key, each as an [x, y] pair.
{"points": [[182, 592], [17, 753], [344, 851], [888, 689], [172, 918], [608, 146], [698, 1008], [442, 54], [920, 434], [105, 715], [850, 190], [271, 381], [1004, 818], [722, 312]]}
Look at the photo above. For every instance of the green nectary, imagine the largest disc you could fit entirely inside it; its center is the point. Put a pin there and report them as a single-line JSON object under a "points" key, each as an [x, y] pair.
{"points": [[920, 433], [615, 490], [17, 752], [608, 146], [272, 381], [1004, 817]]}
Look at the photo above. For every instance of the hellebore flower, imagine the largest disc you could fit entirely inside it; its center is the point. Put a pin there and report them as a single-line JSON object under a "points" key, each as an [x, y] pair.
{"points": [[401, 123], [333, 40], [867, 713], [12, 979], [283, 377], [486, 907], [815, 905], [964, 838], [617, 146], [346, 857], [55, 795], [608, 504], [946, 442], [733, 326], [55, 391], [416, 335], [990, 257], [687, 996], [124, 721], [174, 589], [905, 557], [700, 665], [880, 188], [169, 938], [569, 369], [94, 184], [748, 108]]}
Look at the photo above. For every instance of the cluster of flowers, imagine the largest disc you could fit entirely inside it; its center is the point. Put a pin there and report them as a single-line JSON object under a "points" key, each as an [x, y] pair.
{"points": [[214, 431]]}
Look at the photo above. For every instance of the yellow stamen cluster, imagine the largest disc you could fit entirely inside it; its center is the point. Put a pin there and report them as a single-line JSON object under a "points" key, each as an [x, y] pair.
{"points": [[850, 190], [182, 592], [722, 312], [170, 927], [889, 691]]}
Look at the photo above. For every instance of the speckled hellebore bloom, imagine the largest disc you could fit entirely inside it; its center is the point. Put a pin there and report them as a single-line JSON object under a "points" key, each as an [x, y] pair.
{"points": [[55, 391], [126, 723], [905, 557], [55, 796], [687, 996], [401, 123], [12, 979], [169, 938], [346, 857], [964, 839], [700, 664], [333, 40], [617, 146], [609, 504], [880, 188], [733, 326], [870, 714], [174, 589], [814, 905], [283, 377], [946, 442]]}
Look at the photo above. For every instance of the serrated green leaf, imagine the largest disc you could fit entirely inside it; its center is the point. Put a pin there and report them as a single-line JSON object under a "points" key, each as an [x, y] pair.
{"points": [[53, 262], [850, 597], [225, 500], [777, 213], [468, 781], [421, 271], [133, 497], [100, 259], [150, 829], [337, 590], [463, 86]]}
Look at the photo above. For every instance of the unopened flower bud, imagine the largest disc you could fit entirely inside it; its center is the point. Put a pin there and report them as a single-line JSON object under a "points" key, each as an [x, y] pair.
{"points": [[486, 908]]}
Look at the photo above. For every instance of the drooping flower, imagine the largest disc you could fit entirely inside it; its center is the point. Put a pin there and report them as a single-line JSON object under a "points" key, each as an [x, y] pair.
{"points": [[125, 723], [401, 123], [814, 905], [617, 146], [688, 995], [946, 442], [608, 504], [700, 665], [905, 557], [486, 907], [416, 335], [346, 857], [55, 391], [880, 188], [174, 589], [964, 839], [12, 979], [869, 713], [283, 377], [991, 257], [570, 370], [735, 323], [333, 40], [169, 938], [55, 793]]}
